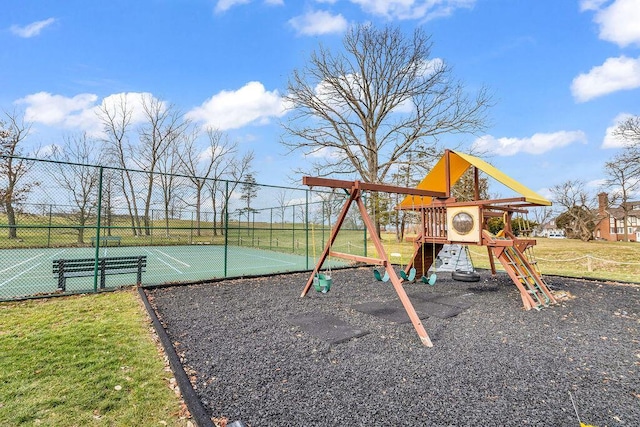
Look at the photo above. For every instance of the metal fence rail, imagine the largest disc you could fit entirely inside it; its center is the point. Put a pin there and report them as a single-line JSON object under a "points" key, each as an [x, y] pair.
{"points": [[66, 211]]}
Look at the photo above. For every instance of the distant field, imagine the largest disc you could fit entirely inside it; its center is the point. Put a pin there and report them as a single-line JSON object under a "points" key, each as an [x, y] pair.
{"points": [[565, 257]]}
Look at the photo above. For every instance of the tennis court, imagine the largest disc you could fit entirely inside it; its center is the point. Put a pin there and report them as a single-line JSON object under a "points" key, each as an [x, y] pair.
{"points": [[26, 272]]}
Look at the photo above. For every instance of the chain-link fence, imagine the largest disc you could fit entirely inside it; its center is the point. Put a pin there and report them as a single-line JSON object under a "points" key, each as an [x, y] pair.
{"points": [[69, 228]]}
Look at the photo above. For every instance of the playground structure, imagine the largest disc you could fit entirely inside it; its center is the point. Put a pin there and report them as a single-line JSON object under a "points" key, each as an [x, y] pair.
{"points": [[444, 220]]}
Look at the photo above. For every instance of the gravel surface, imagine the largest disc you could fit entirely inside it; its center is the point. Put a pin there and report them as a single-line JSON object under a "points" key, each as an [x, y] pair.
{"points": [[493, 364]]}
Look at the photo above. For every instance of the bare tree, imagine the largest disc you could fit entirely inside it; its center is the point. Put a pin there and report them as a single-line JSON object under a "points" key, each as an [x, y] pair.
{"points": [[363, 110], [378, 101], [541, 215], [202, 165], [109, 179], [623, 177], [580, 217], [220, 190], [14, 187], [169, 166], [116, 122], [164, 125], [629, 131], [78, 178], [282, 199]]}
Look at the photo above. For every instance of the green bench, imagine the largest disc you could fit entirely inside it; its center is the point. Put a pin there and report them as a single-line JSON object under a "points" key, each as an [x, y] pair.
{"points": [[104, 240], [85, 267]]}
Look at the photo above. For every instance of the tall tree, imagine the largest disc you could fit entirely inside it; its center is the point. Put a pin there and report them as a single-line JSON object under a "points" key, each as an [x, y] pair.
{"points": [[14, 186], [163, 127], [361, 111], [623, 180], [580, 215], [116, 121], [248, 192], [380, 99], [169, 166], [74, 175], [221, 190], [201, 164], [283, 200]]}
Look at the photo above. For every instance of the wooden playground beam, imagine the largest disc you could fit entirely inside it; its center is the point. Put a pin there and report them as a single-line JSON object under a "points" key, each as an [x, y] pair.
{"points": [[340, 183], [355, 196], [357, 258]]}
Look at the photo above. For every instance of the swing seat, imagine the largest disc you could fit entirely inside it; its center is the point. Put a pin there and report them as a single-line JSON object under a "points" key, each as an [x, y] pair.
{"points": [[322, 283], [379, 277], [431, 280], [409, 277]]}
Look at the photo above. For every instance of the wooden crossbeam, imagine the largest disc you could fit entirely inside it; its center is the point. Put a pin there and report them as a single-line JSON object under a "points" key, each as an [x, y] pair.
{"points": [[339, 183]]}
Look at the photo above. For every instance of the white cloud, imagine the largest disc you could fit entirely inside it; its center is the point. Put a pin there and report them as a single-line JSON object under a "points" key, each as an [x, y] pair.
{"points": [[78, 112], [611, 141], [539, 143], [615, 74], [619, 22], [251, 104], [413, 9], [32, 29], [591, 4], [224, 5], [318, 22], [48, 109]]}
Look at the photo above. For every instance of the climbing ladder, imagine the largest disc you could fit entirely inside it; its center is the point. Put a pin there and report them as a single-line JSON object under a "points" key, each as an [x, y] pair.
{"points": [[523, 270]]}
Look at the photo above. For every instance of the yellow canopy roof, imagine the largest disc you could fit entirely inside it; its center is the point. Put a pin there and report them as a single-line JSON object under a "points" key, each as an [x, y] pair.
{"points": [[458, 165]]}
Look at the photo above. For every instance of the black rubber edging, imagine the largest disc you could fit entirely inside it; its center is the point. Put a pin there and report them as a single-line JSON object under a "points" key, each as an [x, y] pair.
{"points": [[198, 413]]}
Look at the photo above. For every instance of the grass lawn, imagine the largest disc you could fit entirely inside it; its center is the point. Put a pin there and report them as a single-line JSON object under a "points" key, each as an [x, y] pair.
{"points": [[83, 360], [617, 261], [597, 259]]}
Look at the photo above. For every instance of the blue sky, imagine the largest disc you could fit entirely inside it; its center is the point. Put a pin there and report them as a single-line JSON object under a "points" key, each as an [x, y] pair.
{"points": [[562, 71]]}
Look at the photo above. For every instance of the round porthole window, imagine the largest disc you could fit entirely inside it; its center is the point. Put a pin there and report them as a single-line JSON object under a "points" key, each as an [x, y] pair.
{"points": [[462, 222]]}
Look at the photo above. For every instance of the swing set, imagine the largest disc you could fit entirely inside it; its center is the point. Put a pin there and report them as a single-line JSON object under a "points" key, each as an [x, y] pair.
{"points": [[356, 189], [443, 220]]}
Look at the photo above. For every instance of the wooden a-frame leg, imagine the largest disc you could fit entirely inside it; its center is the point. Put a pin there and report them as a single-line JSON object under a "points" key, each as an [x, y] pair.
{"points": [[395, 280]]}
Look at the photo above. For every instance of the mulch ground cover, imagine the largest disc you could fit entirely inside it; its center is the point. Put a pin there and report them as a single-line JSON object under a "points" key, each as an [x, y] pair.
{"points": [[257, 352]]}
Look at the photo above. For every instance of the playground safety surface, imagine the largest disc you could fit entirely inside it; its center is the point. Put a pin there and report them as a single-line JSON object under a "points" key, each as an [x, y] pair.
{"points": [[256, 352]]}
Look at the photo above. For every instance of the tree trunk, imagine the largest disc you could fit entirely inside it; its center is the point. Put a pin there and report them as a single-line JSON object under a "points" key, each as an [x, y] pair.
{"points": [[11, 219]]}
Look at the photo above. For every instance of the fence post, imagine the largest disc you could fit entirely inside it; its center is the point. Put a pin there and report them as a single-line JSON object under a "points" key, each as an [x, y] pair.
{"points": [[98, 225], [49, 230], [226, 225], [293, 227], [191, 230], [365, 231], [306, 220], [271, 229]]}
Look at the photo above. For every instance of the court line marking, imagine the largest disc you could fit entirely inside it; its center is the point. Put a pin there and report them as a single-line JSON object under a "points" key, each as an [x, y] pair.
{"points": [[20, 263], [175, 259], [169, 265], [31, 259], [275, 259], [19, 274]]}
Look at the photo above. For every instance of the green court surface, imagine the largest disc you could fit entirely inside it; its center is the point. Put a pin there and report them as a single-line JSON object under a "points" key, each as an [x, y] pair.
{"points": [[28, 272]]}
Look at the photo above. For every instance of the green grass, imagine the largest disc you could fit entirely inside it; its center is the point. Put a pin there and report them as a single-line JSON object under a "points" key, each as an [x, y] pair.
{"points": [[83, 360]]}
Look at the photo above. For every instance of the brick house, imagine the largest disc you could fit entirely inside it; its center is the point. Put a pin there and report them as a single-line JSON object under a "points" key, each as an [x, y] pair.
{"points": [[611, 225]]}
